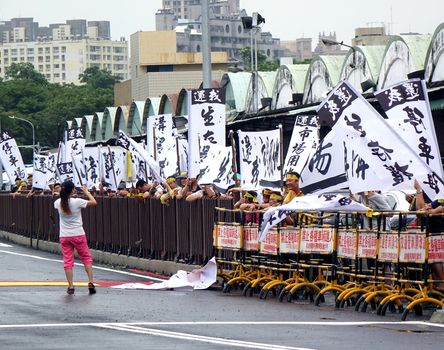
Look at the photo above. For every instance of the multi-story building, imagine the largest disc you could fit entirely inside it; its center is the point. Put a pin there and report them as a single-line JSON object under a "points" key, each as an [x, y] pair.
{"points": [[26, 30], [62, 51], [226, 30], [157, 67], [61, 61]]}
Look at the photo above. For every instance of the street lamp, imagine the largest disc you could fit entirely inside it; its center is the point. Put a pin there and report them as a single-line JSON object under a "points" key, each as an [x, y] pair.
{"points": [[329, 42], [32, 126], [253, 23]]}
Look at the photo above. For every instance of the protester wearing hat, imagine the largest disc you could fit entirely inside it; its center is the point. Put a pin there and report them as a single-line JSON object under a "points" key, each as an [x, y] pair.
{"points": [[292, 185], [293, 191], [172, 190], [248, 201]]}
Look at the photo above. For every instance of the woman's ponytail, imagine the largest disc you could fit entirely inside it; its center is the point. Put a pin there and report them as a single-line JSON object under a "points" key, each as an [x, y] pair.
{"points": [[65, 192]]}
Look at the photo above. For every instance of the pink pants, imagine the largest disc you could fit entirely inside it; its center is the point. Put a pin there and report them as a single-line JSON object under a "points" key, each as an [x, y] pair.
{"points": [[81, 245]]}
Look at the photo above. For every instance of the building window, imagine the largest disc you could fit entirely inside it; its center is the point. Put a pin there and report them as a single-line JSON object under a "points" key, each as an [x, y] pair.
{"points": [[40, 50], [154, 68], [197, 48], [239, 29], [63, 49], [47, 49], [227, 28]]}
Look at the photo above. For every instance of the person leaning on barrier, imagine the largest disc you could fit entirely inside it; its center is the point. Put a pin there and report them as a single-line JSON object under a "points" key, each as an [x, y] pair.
{"points": [[190, 186], [142, 189], [293, 191], [172, 190], [436, 225]]}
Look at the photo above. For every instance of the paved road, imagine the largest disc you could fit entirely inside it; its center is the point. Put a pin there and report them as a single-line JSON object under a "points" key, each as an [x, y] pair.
{"points": [[39, 315]]}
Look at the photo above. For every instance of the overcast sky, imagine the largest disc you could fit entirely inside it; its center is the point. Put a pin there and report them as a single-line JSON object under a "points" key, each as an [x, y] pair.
{"points": [[285, 19]]}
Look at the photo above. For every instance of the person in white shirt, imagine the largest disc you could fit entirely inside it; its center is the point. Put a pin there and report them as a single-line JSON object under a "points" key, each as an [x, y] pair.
{"points": [[72, 235]]}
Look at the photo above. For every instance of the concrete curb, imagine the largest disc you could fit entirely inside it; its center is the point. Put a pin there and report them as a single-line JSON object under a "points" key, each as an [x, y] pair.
{"points": [[100, 257]]}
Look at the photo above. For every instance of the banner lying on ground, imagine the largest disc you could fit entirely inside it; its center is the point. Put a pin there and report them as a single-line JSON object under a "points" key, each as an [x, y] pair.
{"points": [[197, 279]]}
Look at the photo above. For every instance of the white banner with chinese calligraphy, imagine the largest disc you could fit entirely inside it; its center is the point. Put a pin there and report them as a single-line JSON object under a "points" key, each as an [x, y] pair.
{"points": [[375, 156], [39, 173], [408, 110], [206, 122], [74, 143], [51, 176], [91, 158], [79, 169], [216, 164], [167, 157], [325, 171], [113, 161], [140, 154], [11, 158], [259, 154], [275, 215], [303, 139], [159, 129], [65, 172]]}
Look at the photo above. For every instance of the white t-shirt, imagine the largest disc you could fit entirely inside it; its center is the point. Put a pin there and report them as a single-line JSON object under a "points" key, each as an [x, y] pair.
{"points": [[71, 224]]}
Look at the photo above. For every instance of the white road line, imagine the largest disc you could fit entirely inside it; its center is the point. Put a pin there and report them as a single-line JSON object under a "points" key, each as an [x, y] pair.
{"points": [[200, 338], [79, 264], [227, 323], [5, 245]]}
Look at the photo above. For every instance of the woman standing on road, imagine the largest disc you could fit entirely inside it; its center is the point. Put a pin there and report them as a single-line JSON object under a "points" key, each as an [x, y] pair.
{"points": [[72, 234]]}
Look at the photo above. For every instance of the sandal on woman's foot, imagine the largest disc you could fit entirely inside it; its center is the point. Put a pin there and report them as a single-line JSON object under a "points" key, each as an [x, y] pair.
{"points": [[70, 290], [91, 288]]}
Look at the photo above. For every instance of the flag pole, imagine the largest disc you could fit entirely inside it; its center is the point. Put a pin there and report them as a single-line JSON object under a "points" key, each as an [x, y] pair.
{"points": [[233, 149], [281, 154]]}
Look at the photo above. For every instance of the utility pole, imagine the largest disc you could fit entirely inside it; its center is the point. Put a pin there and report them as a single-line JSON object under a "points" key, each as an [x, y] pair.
{"points": [[206, 45]]}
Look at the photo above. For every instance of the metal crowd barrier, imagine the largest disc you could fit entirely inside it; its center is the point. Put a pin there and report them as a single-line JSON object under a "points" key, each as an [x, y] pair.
{"points": [[360, 260], [129, 226]]}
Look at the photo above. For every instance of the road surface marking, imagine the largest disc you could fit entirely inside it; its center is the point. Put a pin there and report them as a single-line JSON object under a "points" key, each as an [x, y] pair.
{"points": [[80, 264], [228, 323], [5, 245], [200, 338]]}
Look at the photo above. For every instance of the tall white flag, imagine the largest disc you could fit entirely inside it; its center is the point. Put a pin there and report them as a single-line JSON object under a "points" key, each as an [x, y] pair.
{"points": [[206, 122], [304, 138], [375, 156], [407, 107]]}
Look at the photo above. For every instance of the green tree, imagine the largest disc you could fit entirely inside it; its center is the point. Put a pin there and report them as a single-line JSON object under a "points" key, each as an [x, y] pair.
{"points": [[25, 71], [98, 78], [262, 63]]}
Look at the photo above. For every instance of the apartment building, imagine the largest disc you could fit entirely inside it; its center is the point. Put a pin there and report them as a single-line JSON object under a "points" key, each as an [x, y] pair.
{"points": [[61, 61], [62, 51]]}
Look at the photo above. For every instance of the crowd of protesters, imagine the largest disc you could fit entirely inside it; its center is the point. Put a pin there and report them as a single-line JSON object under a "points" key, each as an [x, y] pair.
{"points": [[251, 203]]}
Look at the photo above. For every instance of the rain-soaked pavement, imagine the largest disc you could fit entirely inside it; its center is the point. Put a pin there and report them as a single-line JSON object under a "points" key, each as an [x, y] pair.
{"points": [[36, 313]]}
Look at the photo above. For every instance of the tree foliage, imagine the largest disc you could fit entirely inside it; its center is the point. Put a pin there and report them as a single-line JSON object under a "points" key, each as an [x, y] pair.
{"points": [[25, 71], [263, 64], [98, 78], [48, 106]]}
